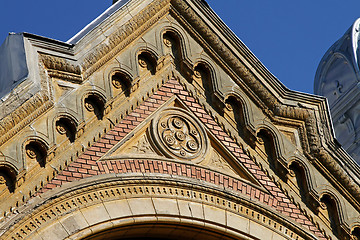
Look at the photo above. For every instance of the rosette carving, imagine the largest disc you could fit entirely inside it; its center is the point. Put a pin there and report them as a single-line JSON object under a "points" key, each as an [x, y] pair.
{"points": [[179, 135]]}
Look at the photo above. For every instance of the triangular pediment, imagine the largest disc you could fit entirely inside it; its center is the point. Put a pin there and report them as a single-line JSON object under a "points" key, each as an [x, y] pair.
{"points": [[174, 133]]}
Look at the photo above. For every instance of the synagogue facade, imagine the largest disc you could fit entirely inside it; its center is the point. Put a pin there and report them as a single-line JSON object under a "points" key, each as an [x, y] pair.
{"points": [[156, 121]]}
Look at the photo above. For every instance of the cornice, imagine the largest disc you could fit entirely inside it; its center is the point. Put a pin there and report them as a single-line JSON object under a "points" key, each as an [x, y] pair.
{"points": [[252, 154], [245, 76], [24, 115], [61, 68]]}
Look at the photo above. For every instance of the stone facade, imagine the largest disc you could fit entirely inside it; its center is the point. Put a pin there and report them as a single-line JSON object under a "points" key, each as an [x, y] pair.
{"points": [[159, 122]]}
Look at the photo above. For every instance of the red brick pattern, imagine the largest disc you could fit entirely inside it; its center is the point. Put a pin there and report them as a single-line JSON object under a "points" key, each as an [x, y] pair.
{"points": [[187, 170], [86, 165]]}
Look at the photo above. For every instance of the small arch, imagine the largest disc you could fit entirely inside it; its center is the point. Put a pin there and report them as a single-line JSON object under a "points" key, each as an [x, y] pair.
{"points": [[37, 150], [266, 143], [356, 233], [8, 177], [147, 61], [203, 78], [266, 140], [180, 33], [173, 43], [234, 111], [121, 81], [329, 212], [66, 126], [299, 172], [93, 102]]}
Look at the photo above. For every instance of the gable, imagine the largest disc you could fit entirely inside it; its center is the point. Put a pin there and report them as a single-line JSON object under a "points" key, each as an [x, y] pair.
{"points": [[154, 63]]}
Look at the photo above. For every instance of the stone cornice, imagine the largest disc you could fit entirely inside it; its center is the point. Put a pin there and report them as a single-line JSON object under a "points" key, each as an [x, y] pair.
{"points": [[61, 68], [24, 115], [249, 78]]}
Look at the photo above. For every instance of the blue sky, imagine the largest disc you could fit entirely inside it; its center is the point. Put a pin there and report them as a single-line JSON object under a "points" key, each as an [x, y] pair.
{"points": [[288, 37]]}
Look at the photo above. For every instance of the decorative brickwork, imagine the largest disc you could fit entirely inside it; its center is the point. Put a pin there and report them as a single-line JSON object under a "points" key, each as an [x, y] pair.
{"points": [[87, 165]]}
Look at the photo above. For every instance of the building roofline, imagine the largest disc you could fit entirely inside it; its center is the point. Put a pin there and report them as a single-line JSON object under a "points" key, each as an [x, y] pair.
{"points": [[97, 21]]}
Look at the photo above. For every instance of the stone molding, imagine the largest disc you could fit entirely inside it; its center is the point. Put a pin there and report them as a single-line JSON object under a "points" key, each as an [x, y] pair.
{"points": [[61, 68], [24, 115], [82, 195], [132, 124], [277, 111], [124, 36]]}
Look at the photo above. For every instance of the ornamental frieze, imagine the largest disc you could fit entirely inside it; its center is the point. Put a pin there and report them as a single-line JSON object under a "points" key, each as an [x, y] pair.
{"points": [[62, 68]]}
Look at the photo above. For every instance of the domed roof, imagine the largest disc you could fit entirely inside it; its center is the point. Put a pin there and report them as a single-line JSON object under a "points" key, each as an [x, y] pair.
{"points": [[338, 71]]}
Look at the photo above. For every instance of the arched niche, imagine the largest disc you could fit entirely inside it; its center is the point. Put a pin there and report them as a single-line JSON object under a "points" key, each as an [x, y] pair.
{"points": [[234, 111], [66, 128], [147, 62], [7, 178], [299, 178], [355, 233], [173, 46], [121, 82], [36, 151], [330, 214], [177, 33], [266, 146], [95, 104], [203, 81]]}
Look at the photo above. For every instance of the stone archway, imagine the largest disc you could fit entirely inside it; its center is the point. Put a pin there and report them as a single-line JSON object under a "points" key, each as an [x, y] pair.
{"points": [[133, 206], [158, 218]]}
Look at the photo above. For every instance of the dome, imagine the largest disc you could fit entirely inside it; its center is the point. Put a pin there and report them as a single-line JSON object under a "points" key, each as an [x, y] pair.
{"points": [[337, 78], [338, 71]]}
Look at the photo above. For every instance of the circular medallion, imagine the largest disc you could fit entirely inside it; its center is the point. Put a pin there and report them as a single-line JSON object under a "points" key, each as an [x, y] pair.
{"points": [[178, 134]]}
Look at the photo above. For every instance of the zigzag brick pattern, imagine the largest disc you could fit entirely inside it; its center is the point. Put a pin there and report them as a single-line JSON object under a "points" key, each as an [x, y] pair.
{"points": [[87, 165]]}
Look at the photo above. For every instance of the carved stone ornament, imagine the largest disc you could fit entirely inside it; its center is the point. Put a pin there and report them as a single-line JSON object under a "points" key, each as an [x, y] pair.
{"points": [[179, 135], [116, 83], [142, 147], [167, 42], [2, 180], [142, 63], [197, 74], [89, 106], [31, 153], [61, 129]]}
